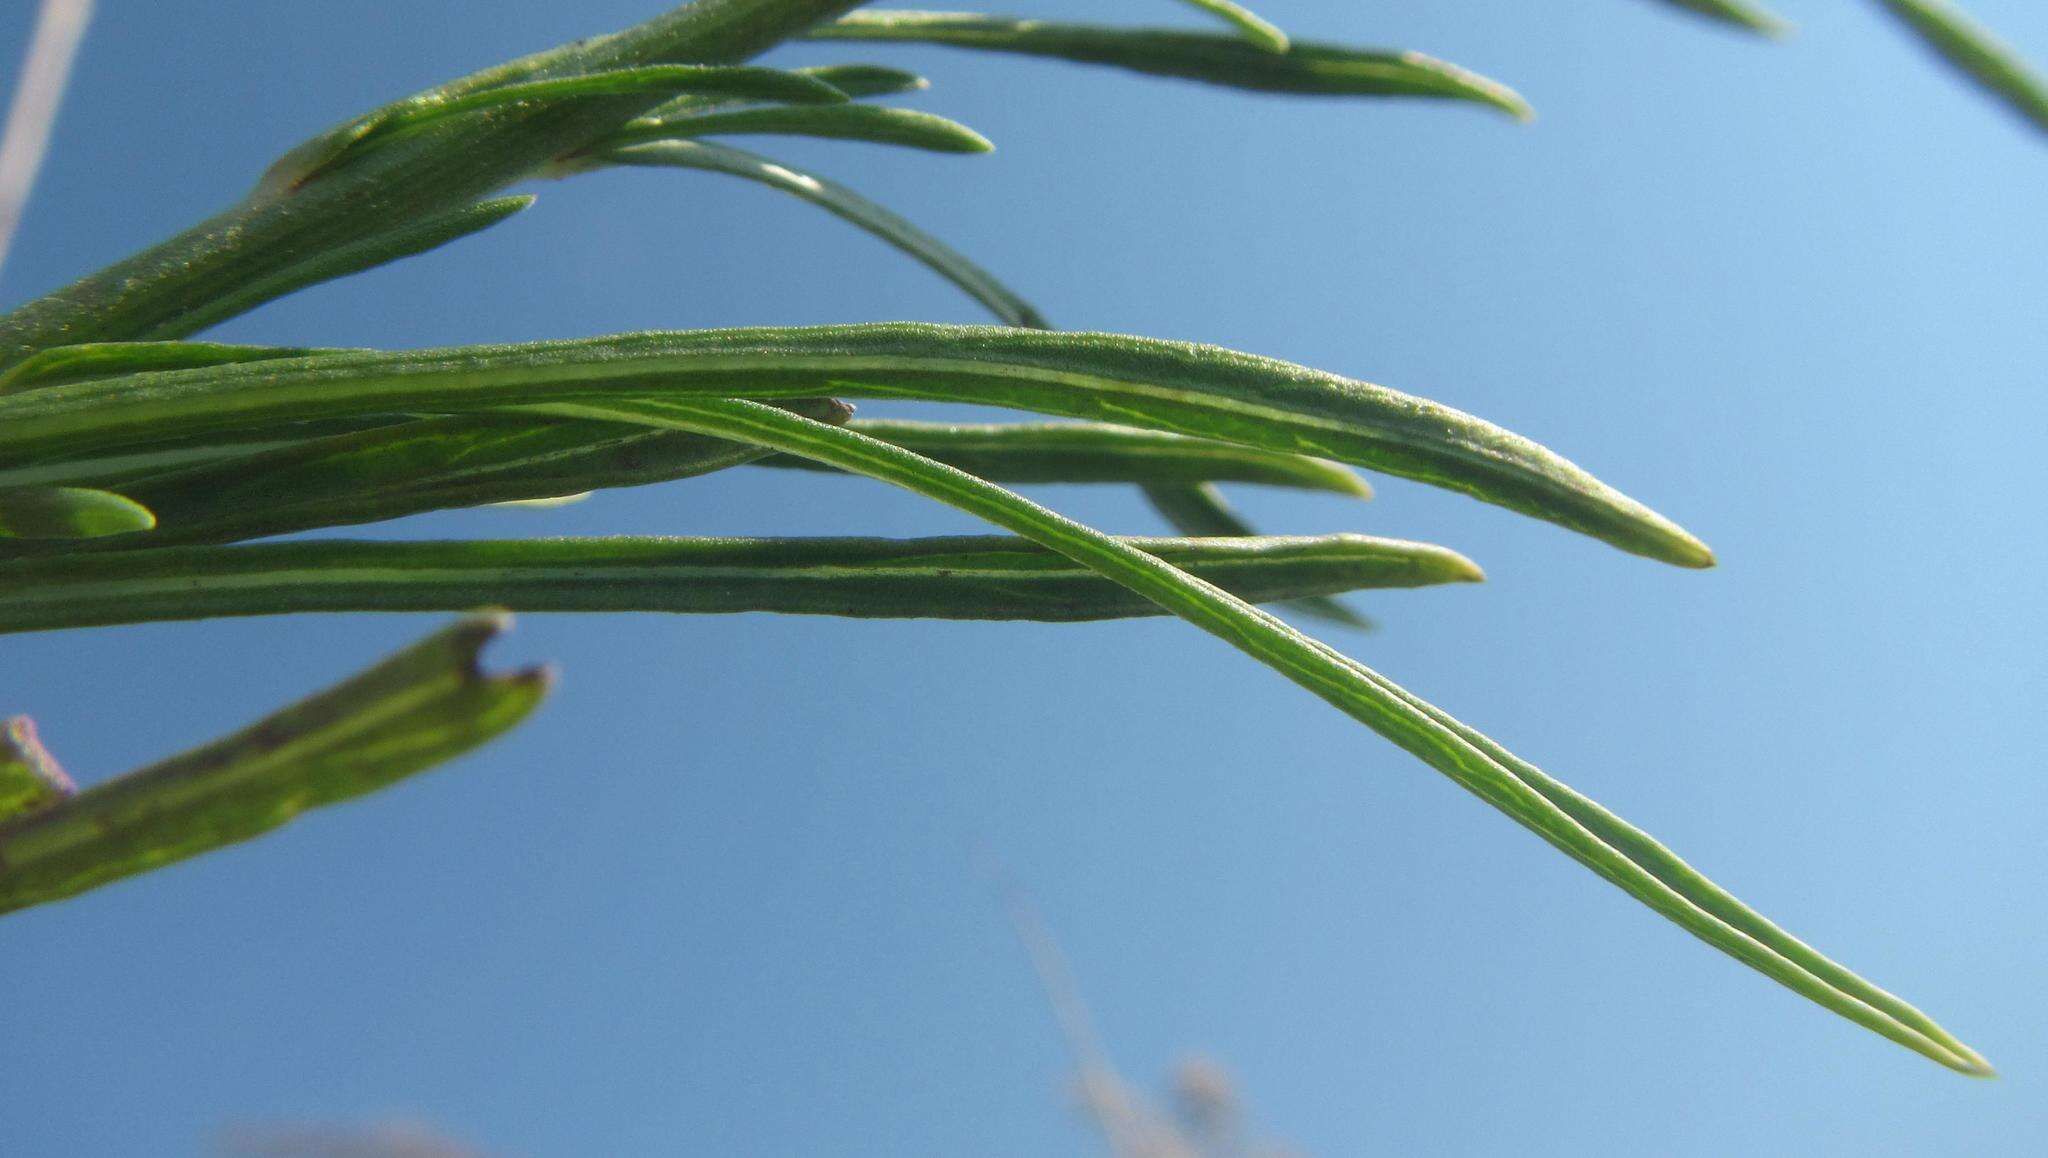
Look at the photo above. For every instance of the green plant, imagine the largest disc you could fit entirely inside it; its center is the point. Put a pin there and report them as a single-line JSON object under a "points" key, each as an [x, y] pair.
{"points": [[134, 462]]}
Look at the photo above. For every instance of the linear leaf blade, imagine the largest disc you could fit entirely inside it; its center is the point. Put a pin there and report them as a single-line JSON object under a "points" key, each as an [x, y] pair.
{"points": [[1977, 53], [64, 513], [1346, 684], [961, 577], [1307, 68], [875, 124], [1179, 387], [1249, 24], [1740, 13], [1094, 452], [1002, 301], [421, 707]]}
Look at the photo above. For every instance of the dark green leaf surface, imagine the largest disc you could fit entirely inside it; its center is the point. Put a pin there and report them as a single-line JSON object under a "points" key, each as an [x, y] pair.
{"points": [[1306, 68], [986, 577], [848, 206], [69, 513], [1623, 855], [875, 124], [323, 154], [30, 778], [427, 704], [1200, 509], [341, 261], [407, 468], [1095, 452], [1179, 387], [1980, 55]]}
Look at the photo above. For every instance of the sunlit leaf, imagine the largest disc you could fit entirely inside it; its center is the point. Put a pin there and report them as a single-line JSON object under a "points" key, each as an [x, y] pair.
{"points": [[1622, 854], [1179, 387], [1200, 509], [875, 124], [986, 577], [1250, 25], [1306, 68], [69, 513], [30, 778]]}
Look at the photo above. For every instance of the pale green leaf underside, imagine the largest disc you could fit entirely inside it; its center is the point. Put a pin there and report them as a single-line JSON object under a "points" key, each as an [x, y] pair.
{"points": [[422, 706], [1178, 387], [961, 577], [1305, 69], [1622, 854]]}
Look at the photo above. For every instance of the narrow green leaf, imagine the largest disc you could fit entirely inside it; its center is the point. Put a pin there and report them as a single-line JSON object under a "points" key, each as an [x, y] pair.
{"points": [[1249, 24], [435, 464], [82, 363], [1095, 452], [1178, 387], [30, 778], [849, 207], [337, 262], [1621, 854], [1977, 53], [876, 124], [424, 705], [1740, 13], [1306, 68], [69, 513], [867, 80], [987, 577], [395, 122], [1199, 509]]}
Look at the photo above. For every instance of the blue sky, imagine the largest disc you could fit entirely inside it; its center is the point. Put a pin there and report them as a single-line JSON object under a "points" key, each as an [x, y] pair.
{"points": [[719, 896]]}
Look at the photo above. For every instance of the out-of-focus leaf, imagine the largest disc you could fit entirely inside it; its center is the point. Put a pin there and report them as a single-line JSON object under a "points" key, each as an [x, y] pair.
{"points": [[985, 577], [876, 124], [423, 706], [69, 513], [1199, 509], [1095, 452], [1740, 13], [30, 778], [1180, 387], [1624, 855], [1306, 68], [848, 206], [1249, 24], [1981, 56]]}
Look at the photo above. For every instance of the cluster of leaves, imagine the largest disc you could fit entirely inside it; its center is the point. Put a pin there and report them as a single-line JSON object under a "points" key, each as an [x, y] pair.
{"points": [[135, 463]]}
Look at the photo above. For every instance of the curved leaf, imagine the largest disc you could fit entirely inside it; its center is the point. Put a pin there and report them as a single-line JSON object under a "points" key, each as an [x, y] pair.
{"points": [[1179, 387], [1740, 13], [848, 206], [1306, 68], [1623, 855]]}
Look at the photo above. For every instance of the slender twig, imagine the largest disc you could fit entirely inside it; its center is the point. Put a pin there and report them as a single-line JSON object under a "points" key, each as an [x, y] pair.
{"points": [[51, 49]]}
